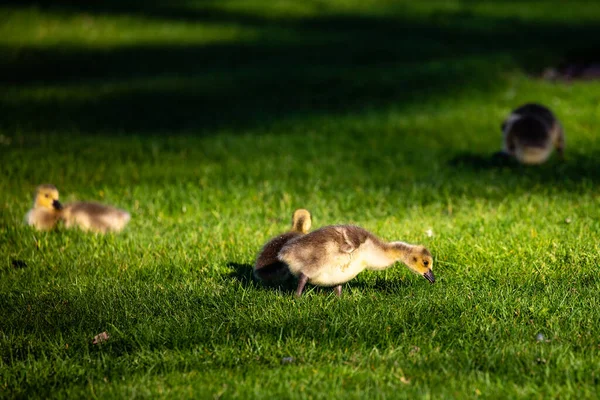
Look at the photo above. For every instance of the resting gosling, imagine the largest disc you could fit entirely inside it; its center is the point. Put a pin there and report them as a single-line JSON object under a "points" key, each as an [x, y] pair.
{"points": [[267, 267], [46, 210], [333, 255], [95, 217], [530, 133]]}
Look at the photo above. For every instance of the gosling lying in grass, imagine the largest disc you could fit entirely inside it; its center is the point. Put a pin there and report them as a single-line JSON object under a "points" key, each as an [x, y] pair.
{"points": [[530, 133], [47, 211], [267, 267], [333, 255]]}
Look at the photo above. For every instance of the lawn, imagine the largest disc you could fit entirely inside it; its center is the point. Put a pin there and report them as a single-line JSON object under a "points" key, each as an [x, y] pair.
{"points": [[211, 121]]}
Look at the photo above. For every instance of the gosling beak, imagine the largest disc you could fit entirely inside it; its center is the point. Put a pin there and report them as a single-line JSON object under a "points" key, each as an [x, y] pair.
{"points": [[429, 276], [56, 204]]}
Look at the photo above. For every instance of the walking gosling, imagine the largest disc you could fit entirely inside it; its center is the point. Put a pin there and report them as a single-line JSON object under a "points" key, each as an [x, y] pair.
{"points": [[267, 267], [333, 255], [46, 210], [530, 133]]}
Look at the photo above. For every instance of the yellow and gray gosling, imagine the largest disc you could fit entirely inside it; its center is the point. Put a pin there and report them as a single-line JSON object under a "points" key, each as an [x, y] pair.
{"points": [[530, 133], [46, 210], [87, 216], [333, 255], [95, 217], [267, 267]]}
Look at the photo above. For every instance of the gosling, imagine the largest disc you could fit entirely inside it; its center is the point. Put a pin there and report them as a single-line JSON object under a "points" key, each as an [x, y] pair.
{"points": [[333, 255], [87, 216], [530, 133], [46, 210], [267, 267], [95, 217]]}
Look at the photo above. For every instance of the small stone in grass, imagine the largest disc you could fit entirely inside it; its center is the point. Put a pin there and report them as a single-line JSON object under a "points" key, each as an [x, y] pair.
{"points": [[100, 338], [540, 337], [567, 220]]}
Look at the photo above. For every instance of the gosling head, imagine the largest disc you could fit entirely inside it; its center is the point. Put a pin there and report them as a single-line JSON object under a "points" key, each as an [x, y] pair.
{"points": [[46, 197], [419, 260], [301, 220]]}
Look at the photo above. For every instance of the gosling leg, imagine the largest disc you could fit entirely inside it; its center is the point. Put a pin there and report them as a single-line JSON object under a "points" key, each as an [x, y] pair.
{"points": [[302, 279], [338, 290]]}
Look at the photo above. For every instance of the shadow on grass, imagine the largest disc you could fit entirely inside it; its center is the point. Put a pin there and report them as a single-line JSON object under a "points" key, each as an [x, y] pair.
{"points": [[242, 273], [574, 169], [482, 161], [382, 285], [292, 68]]}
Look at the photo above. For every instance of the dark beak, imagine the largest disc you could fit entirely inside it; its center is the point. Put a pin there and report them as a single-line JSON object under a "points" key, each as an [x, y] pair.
{"points": [[429, 276], [56, 204]]}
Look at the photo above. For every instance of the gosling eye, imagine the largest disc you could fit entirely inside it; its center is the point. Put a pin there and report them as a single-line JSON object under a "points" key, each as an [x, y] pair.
{"points": [[47, 196], [426, 263], [415, 259]]}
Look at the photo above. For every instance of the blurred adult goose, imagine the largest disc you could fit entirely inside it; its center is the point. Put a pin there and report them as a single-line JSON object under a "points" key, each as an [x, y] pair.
{"points": [[333, 255], [267, 267], [530, 133]]}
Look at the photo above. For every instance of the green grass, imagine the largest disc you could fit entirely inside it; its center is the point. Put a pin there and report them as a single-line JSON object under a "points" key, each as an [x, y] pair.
{"points": [[211, 121]]}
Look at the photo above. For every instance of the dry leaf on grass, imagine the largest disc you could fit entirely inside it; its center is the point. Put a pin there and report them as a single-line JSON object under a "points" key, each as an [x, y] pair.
{"points": [[100, 338]]}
